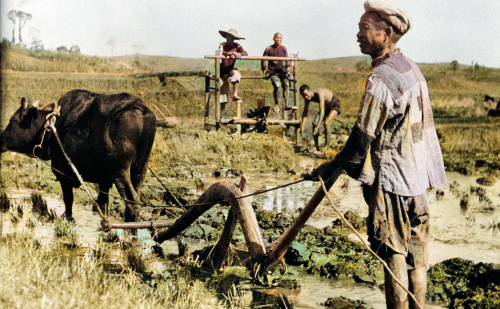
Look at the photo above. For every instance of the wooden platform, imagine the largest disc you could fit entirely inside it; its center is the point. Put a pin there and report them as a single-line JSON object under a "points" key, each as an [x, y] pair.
{"points": [[253, 121]]}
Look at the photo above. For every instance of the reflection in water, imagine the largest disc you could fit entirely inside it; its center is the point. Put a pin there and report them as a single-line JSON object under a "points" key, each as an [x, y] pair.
{"points": [[458, 225]]}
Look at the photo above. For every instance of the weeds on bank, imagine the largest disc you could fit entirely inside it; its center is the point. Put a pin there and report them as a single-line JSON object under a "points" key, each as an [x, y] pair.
{"points": [[33, 277], [5, 203], [39, 204], [178, 151], [235, 298], [65, 231]]}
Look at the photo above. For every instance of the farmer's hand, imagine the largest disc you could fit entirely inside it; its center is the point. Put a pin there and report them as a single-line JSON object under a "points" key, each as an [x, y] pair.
{"points": [[325, 170], [318, 128]]}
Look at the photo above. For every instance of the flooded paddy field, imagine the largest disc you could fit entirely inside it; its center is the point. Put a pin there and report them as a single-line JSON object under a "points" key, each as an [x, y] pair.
{"points": [[465, 230]]}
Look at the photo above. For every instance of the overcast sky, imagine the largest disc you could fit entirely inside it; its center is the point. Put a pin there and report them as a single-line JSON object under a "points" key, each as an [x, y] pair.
{"points": [[443, 30]]}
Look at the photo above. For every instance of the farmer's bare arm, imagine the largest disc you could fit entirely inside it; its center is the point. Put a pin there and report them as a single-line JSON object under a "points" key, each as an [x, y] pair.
{"points": [[304, 115]]}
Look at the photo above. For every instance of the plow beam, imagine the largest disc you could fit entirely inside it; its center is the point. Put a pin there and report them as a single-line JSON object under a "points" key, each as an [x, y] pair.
{"points": [[240, 209]]}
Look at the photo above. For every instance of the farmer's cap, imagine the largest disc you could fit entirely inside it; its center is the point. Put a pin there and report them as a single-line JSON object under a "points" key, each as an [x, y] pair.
{"points": [[232, 33], [394, 16]]}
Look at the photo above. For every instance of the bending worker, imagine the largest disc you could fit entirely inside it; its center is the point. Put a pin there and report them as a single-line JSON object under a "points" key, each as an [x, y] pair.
{"points": [[329, 108], [277, 71], [394, 151], [228, 72]]}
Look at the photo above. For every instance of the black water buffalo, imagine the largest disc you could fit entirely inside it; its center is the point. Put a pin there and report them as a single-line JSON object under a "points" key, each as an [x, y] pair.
{"points": [[107, 137]]}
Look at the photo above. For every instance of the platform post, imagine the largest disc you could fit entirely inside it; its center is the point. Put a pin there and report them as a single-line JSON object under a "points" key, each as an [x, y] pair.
{"points": [[238, 115], [298, 132], [207, 98], [217, 93]]}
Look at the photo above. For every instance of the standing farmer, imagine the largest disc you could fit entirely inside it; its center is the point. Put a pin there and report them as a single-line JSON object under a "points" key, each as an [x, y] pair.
{"points": [[394, 151], [329, 109]]}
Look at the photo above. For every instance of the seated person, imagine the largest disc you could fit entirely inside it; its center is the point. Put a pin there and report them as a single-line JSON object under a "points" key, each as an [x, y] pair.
{"points": [[232, 51], [329, 108], [277, 70]]}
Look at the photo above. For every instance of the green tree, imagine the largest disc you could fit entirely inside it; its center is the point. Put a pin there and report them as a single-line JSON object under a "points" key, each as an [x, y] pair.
{"points": [[22, 18], [62, 49], [12, 17], [75, 49], [454, 65]]}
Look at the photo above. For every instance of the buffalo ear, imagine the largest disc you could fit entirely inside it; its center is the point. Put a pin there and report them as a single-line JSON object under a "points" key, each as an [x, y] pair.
{"points": [[24, 105], [29, 117]]}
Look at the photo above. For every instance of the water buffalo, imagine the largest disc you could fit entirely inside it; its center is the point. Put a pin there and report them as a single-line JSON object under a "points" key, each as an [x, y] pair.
{"points": [[107, 137]]}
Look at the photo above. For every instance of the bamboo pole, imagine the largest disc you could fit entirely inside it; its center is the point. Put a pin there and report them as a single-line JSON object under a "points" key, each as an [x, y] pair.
{"points": [[217, 94], [253, 77], [258, 58], [141, 224], [253, 121], [238, 115], [207, 98], [298, 131]]}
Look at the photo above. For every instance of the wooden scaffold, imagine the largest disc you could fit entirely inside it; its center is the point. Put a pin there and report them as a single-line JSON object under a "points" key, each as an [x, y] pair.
{"points": [[212, 90]]}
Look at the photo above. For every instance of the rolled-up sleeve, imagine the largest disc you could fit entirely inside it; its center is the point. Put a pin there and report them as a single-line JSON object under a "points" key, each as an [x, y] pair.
{"points": [[372, 116]]}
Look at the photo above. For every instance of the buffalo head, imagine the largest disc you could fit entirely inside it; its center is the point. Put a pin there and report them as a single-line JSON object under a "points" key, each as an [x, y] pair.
{"points": [[25, 128]]}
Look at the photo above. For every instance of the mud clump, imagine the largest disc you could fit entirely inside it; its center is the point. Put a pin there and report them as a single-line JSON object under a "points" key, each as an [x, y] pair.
{"points": [[459, 283], [329, 252], [344, 303], [485, 181], [358, 222]]}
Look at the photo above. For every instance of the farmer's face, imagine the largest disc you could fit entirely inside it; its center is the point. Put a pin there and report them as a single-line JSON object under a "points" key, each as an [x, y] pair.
{"points": [[372, 36], [307, 94], [278, 39]]}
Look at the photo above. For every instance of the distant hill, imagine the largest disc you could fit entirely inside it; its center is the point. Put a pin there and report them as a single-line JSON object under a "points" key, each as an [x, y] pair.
{"points": [[176, 64], [343, 63], [165, 63], [24, 60]]}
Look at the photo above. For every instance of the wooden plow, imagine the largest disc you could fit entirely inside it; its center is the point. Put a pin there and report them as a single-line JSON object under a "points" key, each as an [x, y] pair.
{"points": [[242, 211], [213, 84]]}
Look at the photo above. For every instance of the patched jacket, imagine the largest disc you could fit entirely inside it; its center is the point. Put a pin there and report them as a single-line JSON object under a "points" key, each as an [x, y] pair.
{"points": [[394, 134]]}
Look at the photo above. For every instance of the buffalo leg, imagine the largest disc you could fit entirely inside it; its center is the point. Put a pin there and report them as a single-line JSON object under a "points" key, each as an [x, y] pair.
{"points": [[127, 191], [103, 197], [67, 191]]}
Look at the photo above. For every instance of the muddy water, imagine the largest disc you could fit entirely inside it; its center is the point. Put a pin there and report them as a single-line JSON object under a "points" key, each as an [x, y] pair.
{"points": [[457, 231]]}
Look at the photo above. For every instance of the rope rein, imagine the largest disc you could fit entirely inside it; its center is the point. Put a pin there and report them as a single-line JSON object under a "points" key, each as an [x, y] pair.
{"points": [[368, 248], [50, 121], [80, 179], [241, 197]]}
